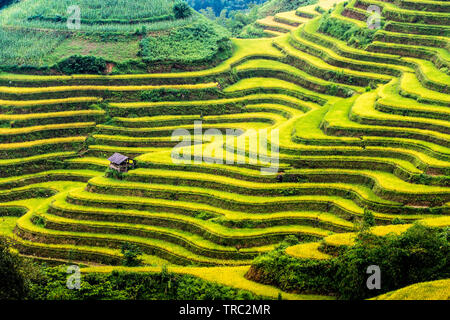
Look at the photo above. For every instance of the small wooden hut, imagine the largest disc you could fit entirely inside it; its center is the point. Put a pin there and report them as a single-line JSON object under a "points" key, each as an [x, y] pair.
{"points": [[121, 163]]}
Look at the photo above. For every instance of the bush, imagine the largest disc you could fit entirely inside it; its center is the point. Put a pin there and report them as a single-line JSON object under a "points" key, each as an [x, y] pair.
{"points": [[199, 42], [17, 274], [181, 10], [164, 94], [291, 240], [131, 254], [133, 286], [114, 174], [292, 274], [420, 254], [398, 221], [4, 3], [82, 65], [355, 36], [319, 9], [273, 7], [368, 219]]}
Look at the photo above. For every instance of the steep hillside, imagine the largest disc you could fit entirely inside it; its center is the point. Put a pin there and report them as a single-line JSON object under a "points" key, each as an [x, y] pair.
{"points": [[363, 124], [130, 35]]}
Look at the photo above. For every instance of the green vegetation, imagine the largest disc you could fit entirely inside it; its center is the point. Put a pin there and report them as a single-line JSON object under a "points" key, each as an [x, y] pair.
{"points": [[131, 254], [173, 33], [272, 7], [181, 10], [342, 30], [136, 286], [96, 11], [417, 255], [360, 126], [228, 6], [200, 42], [82, 65], [25, 48], [25, 280], [14, 284]]}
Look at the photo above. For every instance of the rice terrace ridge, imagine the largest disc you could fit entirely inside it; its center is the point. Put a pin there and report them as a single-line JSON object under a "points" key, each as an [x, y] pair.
{"points": [[224, 150]]}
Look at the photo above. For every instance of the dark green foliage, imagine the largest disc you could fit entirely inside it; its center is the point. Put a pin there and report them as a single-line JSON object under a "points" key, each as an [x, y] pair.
{"points": [[133, 286], [273, 7], [219, 6], [319, 9], [231, 14], [202, 215], [368, 219], [82, 65], [420, 254], [12, 211], [114, 174], [291, 240], [181, 10], [292, 274], [355, 36], [13, 283], [39, 221], [199, 42], [164, 94], [240, 24], [398, 221], [4, 3], [131, 254]]}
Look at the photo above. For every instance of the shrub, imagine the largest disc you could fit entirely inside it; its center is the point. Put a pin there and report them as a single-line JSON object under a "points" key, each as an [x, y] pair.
{"points": [[4, 3], [13, 283], [355, 36], [398, 221], [291, 240], [319, 9], [419, 254], [292, 274], [181, 10], [114, 174], [164, 94], [199, 42], [133, 286], [368, 219], [82, 65], [131, 254]]}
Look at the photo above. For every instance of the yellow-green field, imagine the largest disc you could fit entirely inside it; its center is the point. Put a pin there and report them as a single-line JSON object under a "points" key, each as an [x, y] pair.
{"points": [[359, 129]]}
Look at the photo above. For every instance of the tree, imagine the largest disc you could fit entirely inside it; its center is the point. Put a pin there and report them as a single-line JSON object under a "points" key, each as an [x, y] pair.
{"points": [[131, 254], [13, 284], [4, 3], [181, 10], [368, 219], [419, 254]]}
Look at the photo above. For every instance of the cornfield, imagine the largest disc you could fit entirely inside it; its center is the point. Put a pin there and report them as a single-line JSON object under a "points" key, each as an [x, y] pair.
{"points": [[99, 9], [26, 48]]}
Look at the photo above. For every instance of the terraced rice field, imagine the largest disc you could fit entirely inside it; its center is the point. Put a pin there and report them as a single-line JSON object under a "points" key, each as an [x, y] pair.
{"points": [[285, 22], [344, 149]]}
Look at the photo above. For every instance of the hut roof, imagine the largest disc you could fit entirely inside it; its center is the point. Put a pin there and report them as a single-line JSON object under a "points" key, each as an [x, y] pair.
{"points": [[118, 158]]}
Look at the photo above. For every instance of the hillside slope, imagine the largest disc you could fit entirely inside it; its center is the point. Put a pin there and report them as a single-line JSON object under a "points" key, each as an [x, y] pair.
{"points": [[134, 36], [363, 124]]}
